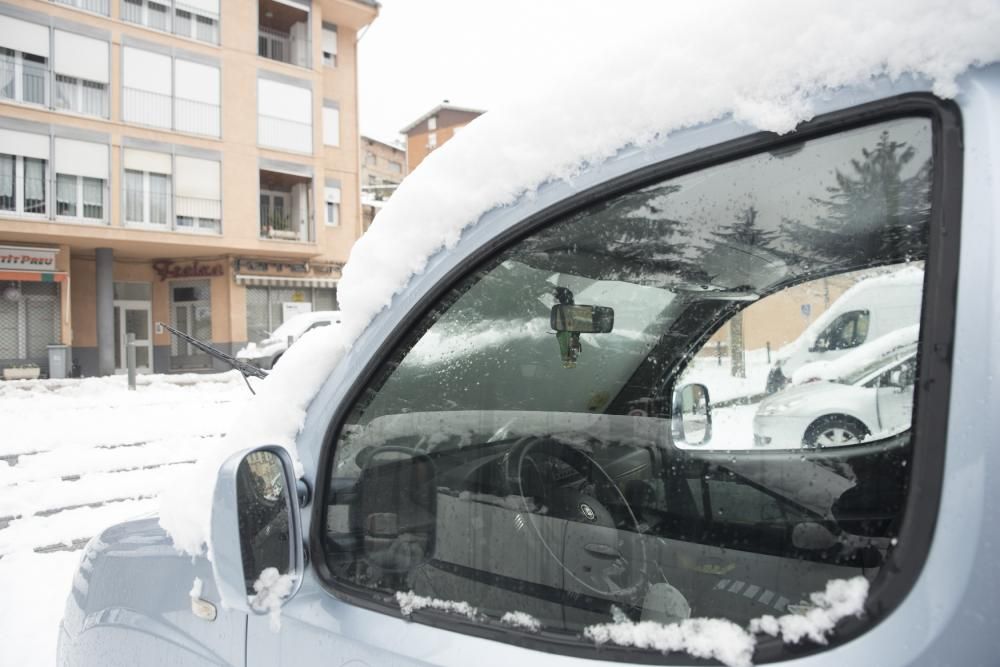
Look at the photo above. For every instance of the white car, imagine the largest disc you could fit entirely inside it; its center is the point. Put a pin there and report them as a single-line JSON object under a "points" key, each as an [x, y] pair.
{"points": [[266, 353], [865, 393]]}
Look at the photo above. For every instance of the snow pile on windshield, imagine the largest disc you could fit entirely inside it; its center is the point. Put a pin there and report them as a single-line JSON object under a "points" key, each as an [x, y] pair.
{"points": [[729, 643], [410, 602], [842, 598], [523, 620], [271, 588], [676, 66]]}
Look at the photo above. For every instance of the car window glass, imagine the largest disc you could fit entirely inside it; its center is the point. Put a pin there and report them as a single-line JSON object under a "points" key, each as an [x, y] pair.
{"points": [[495, 460]]}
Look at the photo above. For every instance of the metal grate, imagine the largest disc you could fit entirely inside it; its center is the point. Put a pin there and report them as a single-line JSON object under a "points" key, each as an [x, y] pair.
{"points": [[29, 323]]}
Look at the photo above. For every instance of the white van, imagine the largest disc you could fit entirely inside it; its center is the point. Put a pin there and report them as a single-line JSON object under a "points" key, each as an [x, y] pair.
{"points": [[867, 311]]}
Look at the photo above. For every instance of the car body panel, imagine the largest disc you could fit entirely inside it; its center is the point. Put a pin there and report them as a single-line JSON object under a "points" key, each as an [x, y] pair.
{"points": [[949, 614], [131, 605]]}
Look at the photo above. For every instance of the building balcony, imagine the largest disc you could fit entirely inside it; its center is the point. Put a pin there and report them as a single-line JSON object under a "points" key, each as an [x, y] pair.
{"points": [[285, 207], [283, 33]]}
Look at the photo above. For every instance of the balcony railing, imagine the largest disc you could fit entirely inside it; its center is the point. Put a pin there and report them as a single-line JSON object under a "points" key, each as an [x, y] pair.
{"points": [[279, 45], [81, 96], [278, 224], [176, 17], [146, 108], [99, 6], [282, 133], [196, 117], [34, 80], [154, 109]]}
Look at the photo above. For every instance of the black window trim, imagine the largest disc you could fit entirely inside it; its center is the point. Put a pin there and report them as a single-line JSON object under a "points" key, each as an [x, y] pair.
{"points": [[931, 394]]}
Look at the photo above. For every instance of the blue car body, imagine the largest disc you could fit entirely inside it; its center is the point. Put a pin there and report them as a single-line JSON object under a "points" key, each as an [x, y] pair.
{"points": [[130, 603]]}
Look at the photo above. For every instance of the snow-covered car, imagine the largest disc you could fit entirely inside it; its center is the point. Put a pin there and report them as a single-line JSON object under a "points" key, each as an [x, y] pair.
{"points": [[267, 352], [864, 394], [870, 309], [493, 459]]}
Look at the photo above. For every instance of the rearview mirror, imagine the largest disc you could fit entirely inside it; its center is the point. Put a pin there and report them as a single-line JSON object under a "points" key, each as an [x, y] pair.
{"points": [[582, 319], [256, 544], [691, 417]]}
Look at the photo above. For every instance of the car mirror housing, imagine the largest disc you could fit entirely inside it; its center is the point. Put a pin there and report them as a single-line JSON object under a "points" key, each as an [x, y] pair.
{"points": [[256, 539], [691, 417]]}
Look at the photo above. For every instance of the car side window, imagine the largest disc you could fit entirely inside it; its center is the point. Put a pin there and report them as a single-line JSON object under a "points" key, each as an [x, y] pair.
{"points": [[847, 331], [519, 451]]}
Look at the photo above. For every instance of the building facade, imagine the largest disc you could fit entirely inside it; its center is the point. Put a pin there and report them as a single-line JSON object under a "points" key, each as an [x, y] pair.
{"points": [[383, 167], [434, 129], [190, 163]]}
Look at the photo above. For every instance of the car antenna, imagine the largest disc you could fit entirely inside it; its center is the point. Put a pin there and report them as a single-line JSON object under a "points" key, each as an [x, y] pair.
{"points": [[246, 369]]}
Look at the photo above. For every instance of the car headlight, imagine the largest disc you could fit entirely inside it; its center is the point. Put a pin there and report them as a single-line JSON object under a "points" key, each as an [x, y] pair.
{"points": [[779, 407]]}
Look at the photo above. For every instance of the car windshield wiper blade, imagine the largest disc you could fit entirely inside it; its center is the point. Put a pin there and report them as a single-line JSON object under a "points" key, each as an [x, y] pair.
{"points": [[245, 368]]}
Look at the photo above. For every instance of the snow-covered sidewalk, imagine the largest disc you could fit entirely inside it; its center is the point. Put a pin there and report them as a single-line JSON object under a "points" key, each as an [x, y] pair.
{"points": [[77, 456]]}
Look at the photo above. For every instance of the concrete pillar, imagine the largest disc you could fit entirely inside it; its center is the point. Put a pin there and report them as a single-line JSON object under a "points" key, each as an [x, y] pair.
{"points": [[105, 312]]}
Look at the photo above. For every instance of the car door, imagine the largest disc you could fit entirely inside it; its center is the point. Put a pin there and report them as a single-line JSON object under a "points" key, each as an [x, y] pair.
{"points": [[496, 473]]}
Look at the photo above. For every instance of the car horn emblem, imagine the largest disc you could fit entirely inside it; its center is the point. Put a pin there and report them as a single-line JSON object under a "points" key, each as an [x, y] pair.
{"points": [[588, 511]]}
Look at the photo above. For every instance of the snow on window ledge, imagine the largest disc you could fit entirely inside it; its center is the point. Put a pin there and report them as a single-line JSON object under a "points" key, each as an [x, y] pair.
{"points": [[410, 602], [520, 619], [729, 643]]}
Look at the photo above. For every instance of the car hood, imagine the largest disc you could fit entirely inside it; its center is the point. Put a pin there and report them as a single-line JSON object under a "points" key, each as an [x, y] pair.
{"points": [[803, 398]]}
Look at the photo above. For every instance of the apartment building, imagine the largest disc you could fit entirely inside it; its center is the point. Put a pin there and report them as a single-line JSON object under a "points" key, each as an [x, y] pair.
{"points": [[193, 162], [433, 129], [383, 167]]}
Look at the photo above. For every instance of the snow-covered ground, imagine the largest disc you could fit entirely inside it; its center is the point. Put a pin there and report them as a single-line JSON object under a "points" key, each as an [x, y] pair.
{"points": [[77, 456]]}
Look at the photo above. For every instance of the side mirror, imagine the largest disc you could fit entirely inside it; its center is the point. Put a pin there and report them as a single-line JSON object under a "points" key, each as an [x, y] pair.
{"points": [[256, 540], [691, 417], [582, 319]]}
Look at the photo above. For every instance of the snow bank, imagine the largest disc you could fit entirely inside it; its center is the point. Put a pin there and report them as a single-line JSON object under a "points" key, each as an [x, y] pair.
{"points": [[677, 66], [729, 643]]}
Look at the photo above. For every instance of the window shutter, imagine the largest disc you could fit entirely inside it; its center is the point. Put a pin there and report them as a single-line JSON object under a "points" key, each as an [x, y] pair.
{"points": [[81, 57], [81, 158]]}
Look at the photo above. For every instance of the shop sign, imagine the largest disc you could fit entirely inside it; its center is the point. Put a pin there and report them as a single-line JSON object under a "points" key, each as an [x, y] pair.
{"points": [[166, 268], [265, 266], [28, 259]]}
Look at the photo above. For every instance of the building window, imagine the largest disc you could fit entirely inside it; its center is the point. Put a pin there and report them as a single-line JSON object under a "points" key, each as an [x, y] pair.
{"points": [[81, 68], [329, 45], [395, 167], [148, 188], [331, 126], [172, 93], [198, 201], [96, 6], [332, 203], [284, 116], [432, 123], [194, 19], [432, 141], [23, 77], [81, 179]]}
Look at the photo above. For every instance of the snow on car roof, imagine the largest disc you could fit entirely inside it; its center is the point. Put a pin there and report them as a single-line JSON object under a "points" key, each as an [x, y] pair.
{"points": [[765, 64]]}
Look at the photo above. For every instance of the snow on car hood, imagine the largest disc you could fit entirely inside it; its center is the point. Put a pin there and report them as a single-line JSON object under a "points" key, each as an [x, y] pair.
{"points": [[677, 66]]}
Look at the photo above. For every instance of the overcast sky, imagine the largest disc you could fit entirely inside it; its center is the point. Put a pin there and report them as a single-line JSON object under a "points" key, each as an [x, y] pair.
{"points": [[471, 52]]}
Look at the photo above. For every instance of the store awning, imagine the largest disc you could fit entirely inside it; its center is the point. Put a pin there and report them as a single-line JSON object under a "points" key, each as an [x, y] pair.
{"points": [[284, 281], [34, 276]]}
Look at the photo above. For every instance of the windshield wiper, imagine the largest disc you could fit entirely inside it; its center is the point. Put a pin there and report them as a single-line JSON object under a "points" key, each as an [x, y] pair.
{"points": [[245, 368]]}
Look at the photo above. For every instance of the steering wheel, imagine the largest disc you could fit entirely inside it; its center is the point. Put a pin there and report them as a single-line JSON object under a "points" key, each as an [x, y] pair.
{"points": [[591, 553]]}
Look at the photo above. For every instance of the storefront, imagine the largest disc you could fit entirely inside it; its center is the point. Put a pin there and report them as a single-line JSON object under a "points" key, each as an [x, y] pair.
{"points": [[276, 290], [33, 287]]}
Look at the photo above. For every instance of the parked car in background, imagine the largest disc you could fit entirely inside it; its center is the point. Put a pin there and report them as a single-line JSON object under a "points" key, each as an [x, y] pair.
{"points": [[868, 310], [267, 352], [865, 394]]}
